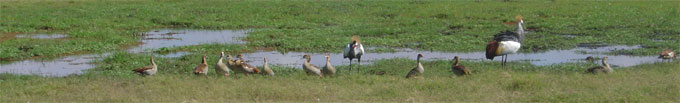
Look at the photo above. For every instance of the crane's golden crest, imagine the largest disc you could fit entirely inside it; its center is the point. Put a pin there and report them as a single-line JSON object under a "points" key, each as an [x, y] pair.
{"points": [[518, 17], [356, 38]]}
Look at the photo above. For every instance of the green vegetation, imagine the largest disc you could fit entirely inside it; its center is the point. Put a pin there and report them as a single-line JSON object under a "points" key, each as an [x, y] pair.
{"points": [[324, 26], [114, 81], [96, 26]]}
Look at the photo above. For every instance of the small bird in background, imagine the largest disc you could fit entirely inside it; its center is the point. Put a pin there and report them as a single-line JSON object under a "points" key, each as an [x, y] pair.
{"points": [[202, 69], [147, 70], [354, 50]]}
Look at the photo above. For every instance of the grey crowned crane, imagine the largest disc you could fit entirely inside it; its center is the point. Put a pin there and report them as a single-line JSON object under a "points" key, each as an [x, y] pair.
{"points": [[601, 69], [201, 69], [147, 70], [506, 42], [418, 70], [220, 67], [354, 50]]}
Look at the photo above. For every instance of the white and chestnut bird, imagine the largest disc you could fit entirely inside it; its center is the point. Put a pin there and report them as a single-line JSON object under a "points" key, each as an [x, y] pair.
{"points": [[311, 69], [201, 69], [147, 70], [266, 69], [667, 54], [605, 68], [328, 70], [221, 68], [457, 69], [242, 67], [231, 63], [418, 70], [354, 50], [506, 42]]}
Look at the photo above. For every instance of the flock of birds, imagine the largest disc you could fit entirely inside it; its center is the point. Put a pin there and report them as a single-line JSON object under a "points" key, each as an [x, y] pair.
{"points": [[503, 43]]}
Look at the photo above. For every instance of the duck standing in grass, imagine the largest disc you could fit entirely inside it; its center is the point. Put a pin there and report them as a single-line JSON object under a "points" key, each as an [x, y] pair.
{"points": [[418, 70], [147, 70], [328, 70], [458, 69], [221, 68], [311, 69], [201, 69], [667, 54], [601, 69], [266, 69]]}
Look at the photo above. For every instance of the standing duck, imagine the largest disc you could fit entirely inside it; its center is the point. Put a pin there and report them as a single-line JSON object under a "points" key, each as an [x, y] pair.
{"points": [[147, 70], [667, 54], [328, 70], [267, 70], [311, 69], [457, 69], [242, 67], [601, 69], [201, 69], [354, 50], [221, 68], [506, 42], [418, 70]]}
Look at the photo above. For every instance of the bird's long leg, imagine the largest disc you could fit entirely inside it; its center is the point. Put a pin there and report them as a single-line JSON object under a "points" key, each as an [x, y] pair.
{"points": [[505, 60], [350, 65], [359, 66]]}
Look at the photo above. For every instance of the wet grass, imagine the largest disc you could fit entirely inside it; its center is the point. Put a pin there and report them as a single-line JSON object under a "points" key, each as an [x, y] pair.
{"points": [[97, 26], [113, 80], [325, 26]]}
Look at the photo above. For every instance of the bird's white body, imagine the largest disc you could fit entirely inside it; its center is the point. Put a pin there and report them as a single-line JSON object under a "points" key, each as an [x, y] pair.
{"points": [[508, 47], [358, 51]]}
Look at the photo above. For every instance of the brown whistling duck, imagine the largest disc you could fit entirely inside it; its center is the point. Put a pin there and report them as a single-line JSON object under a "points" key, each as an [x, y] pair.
{"points": [[147, 70], [458, 69]]}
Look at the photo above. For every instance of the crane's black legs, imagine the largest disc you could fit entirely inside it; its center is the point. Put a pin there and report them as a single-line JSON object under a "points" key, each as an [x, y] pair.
{"points": [[350, 65], [359, 66]]}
